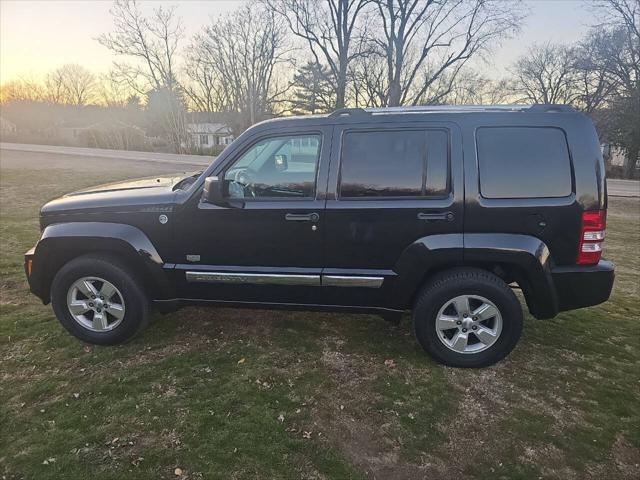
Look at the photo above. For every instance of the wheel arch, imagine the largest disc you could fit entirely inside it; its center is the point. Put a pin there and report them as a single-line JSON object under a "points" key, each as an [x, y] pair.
{"points": [[523, 259], [62, 242]]}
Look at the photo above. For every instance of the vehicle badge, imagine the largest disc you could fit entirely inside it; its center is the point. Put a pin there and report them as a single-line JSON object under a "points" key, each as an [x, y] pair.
{"points": [[163, 219]]}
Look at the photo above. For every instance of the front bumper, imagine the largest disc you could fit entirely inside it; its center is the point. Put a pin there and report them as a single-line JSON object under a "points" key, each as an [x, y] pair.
{"points": [[34, 276], [583, 286]]}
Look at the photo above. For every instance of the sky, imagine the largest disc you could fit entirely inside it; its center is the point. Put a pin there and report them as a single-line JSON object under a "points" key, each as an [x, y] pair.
{"points": [[39, 36]]}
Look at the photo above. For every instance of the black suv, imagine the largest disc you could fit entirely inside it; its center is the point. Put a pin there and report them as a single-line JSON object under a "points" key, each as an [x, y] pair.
{"points": [[437, 210]]}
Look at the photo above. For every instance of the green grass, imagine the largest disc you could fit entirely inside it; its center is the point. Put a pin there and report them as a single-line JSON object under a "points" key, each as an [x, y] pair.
{"points": [[313, 397]]}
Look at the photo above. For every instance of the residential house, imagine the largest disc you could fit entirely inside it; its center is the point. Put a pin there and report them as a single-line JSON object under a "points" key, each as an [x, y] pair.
{"points": [[207, 130]]}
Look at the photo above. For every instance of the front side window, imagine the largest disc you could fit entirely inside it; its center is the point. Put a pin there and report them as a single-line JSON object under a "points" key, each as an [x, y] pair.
{"points": [[277, 167], [395, 163]]}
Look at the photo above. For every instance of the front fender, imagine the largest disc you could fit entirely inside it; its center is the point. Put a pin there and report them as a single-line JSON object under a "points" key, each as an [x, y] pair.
{"points": [[527, 258], [61, 242]]}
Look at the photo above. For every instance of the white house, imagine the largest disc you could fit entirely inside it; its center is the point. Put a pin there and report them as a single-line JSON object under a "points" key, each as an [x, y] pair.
{"points": [[209, 134]]}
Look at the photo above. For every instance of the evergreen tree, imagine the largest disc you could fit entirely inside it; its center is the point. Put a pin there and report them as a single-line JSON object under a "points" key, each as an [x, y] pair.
{"points": [[313, 91]]}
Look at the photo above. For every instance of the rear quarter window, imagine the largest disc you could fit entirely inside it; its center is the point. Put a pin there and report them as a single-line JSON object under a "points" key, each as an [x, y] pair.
{"points": [[523, 162]]}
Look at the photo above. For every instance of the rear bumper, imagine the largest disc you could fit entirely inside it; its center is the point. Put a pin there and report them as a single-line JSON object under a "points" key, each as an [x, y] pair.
{"points": [[583, 286]]}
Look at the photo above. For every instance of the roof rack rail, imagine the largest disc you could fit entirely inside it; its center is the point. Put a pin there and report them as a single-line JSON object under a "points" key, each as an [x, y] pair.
{"points": [[348, 112], [536, 108], [550, 107]]}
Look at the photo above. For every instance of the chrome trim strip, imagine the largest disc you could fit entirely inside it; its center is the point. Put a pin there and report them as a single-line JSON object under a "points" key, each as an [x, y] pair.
{"points": [[253, 278], [351, 281]]}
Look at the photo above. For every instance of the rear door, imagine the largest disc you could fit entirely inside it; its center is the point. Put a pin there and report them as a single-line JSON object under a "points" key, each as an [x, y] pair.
{"points": [[390, 184], [520, 179]]}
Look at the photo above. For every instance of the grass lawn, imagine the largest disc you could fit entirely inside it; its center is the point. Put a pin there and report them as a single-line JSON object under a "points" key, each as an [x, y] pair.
{"points": [[223, 393]]}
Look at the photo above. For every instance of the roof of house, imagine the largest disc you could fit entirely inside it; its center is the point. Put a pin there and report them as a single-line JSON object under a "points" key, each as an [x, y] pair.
{"points": [[209, 128]]}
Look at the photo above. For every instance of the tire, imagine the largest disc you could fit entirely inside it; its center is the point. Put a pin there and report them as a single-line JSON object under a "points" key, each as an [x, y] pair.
{"points": [[129, 303], [441, 305]]}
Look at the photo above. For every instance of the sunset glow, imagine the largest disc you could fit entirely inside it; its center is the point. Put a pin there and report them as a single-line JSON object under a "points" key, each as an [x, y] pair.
{"points": [[38, 36]]}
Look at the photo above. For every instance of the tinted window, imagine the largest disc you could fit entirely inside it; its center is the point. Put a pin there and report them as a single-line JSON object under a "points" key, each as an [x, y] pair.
{"points": [[394, 164], [275, 168], [523, 162]]}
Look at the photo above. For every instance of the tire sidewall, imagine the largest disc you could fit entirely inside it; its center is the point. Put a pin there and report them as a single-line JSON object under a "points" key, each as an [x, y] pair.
{"points": [[136, 309], [426, 313]]}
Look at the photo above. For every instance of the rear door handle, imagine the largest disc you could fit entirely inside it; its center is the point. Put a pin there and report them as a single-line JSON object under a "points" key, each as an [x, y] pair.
{"points": [[432, 217], [302, 217]]}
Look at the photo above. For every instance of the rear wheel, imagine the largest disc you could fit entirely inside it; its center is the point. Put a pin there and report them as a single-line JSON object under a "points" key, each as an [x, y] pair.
{"points": [[98, 300], [467, 318]]}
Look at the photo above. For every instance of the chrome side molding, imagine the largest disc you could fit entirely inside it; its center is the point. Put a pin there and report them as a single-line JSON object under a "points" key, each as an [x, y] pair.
{"points": [[285, 279], [351, 281], [254, 278]]}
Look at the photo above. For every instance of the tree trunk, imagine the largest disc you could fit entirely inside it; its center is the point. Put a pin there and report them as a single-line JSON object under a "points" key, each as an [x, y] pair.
{"points": [[341, 90], [394, 94]]}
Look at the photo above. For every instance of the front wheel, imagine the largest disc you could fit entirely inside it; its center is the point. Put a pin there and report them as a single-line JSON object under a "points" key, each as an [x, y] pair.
{"points": [[98, 300], [467, 318]]}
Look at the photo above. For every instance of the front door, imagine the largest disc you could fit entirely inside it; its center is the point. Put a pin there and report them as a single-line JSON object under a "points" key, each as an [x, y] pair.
{"points": [[391, 185], [265, 243]]}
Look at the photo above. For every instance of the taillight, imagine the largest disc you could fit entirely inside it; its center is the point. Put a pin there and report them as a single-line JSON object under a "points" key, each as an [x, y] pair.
{"points": [[592, 233]]}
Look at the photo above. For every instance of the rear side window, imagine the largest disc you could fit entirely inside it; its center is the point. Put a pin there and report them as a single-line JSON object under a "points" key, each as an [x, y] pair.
{"points": [[523, 162], [395, 163]]}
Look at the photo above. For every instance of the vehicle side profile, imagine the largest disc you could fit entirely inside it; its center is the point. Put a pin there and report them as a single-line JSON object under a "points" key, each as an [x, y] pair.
{"points": [[441, 211]]}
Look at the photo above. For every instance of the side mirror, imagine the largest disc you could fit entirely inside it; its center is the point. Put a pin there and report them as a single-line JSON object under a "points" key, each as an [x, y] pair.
{"points": [[212, 192], [281, 162]]}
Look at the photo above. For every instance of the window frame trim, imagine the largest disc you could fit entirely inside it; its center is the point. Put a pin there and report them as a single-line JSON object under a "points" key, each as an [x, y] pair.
{"points": [[406, 198]]}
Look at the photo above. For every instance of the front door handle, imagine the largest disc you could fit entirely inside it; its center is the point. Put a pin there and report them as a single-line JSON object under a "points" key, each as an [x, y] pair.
{"points": [[448, 216], [302, 217]]}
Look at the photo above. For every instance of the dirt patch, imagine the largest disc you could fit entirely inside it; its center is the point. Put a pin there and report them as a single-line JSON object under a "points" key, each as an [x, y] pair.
{"points": [[370, 448], [626, 458], [367, 448]]}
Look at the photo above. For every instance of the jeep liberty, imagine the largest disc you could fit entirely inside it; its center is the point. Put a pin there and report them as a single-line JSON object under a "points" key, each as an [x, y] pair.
{"points": [[441, 211]]}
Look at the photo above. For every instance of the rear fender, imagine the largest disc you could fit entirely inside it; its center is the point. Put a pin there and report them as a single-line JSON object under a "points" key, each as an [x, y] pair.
{"points": [[62, 242], [528, 260]]}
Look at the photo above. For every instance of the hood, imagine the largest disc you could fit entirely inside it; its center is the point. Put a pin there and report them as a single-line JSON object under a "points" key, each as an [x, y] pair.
{"points": [[146, 182], [127, 196]]}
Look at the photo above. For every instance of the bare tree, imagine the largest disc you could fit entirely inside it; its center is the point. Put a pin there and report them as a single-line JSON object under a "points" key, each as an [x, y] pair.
{"points": [[22, 89], [204, 88], [368, 81], [112, 92], [424, 39], [246, 48], [546, 74], [616, 53], [333, 31], [71, 84], [54, 88], [151, 41], [473, 88], [592, 83]]}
